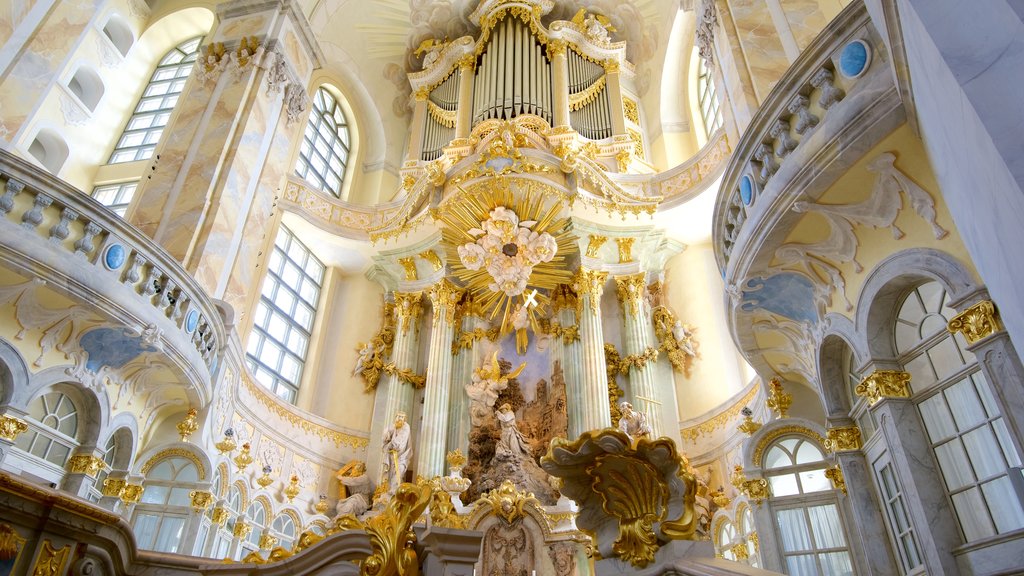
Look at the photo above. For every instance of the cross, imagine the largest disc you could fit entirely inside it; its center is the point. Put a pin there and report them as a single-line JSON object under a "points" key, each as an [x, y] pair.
{"points": [[531, 299]]}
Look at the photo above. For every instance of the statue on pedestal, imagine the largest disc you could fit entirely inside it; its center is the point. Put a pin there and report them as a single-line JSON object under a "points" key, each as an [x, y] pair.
{"points": [[359, 486], [397, 449], [632, 422]]}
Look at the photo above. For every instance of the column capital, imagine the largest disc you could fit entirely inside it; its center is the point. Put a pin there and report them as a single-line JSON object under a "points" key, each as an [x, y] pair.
{"points": [[563, 297], [467, 62], [408, 308], [557, 48], [88, 464], [590, 284], [844, 439], [11, 427], [200, 499], [884, 384], [977, 322], [444, 296], [630, 292]]}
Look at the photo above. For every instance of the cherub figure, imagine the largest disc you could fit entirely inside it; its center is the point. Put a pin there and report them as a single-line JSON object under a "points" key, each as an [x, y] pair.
{"points": [[485, 386]]}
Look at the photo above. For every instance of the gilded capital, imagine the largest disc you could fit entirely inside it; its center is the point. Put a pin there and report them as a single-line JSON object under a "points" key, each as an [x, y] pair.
{"points": [[219, 515], [86, 464], [977, 322], [241, 529], [445, 298], [422, 94], [132, 493], [612, 66], [408, 264], [835, 475], [630, 292], [11, 427], [467, 62], [590, 285], [625, 247], [843, 439], [113, 487], [884, 384], [200, 499], [556, 48], [563, 297], [594, 245], [408, 307]]}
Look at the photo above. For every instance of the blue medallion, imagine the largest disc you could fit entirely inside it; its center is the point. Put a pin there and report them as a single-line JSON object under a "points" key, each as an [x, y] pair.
{"points": [[746, 190], [191, 321], [114, 257], [854, 59]]}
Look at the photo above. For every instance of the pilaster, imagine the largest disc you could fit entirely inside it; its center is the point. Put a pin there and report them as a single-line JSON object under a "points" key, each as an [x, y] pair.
{"points": [[559, 82], [589, 284], [464, 120], [444, 297], [639, 352]]}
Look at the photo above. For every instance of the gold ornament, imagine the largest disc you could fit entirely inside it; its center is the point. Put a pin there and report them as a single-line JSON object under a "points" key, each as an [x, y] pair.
{"points": [[778, 400], [844, 439], [241, 529], [408, 307], [630, 290], [409, 265], [884, 384], [681, 353], [243, 459], [11, 427], [265, 480], [132, 493], [10, 542], [189, 425], [50, 561], [442, 512], [445, 296], [322, 505], [293, 488], [507, 502], [977, 322], [391, 536], [434, 260], [623, 159], [590, 285], [86, 464], [267, 541], [748, 426], [594, 245], [227, 445], [200, 499], [756, 490], [835, 475], [630, 110], [456, 460], [219, 515], [113, 487]]}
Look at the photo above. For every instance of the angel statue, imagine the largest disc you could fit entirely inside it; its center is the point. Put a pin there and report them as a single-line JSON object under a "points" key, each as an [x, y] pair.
{"points": [[359, 486], [512, 443], [483, 390], [433, 49], [365, 356], [596, 26], [684, 338]]}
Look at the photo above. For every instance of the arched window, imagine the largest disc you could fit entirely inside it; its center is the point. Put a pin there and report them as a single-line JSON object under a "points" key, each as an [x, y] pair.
{"points": [[53, 432], [748, 531], [807, 517], [725, 538], [323, 154], [144, 128], [962, 419], [284, 316], [256, 515], [707, 98], [283, 529], [115, 459], [162, 514]]}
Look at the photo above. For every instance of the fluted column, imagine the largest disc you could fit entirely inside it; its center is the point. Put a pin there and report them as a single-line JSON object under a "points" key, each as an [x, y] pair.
{"points": [[637, 346], [464, 119], [613, 84], [589, 284], [430, 458], [565, 306], [394, 395], [417, 126], [474, 328], [559, 82]]}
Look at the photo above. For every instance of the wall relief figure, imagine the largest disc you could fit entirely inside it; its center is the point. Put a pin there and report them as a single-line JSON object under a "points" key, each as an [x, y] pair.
{"points": [[508, 550]]}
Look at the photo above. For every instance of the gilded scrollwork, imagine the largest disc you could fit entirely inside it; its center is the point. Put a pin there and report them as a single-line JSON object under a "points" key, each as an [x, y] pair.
{"points": [[884, 384], [843, 439], [676, 339], [977, 322]]}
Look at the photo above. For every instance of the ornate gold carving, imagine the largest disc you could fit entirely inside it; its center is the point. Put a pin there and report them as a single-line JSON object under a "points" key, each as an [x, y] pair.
{"points": [[299, 421], [740, 552], [720, 499], [113, 487], [835, 475], [50, 561], [507, 502], [200, 499], [631, 491], [580, 99], [380, 349], [563, 297], [623, 158], [11, 427], [85, 464], [322, 505], [568, 334], [884, 384], [391, 535], [556, 48], [465, 340], [244, 458], [423, 94], [266, 479], [242, 529], [594, 245], [456, 459], [756, 490], [227, 445], [10, 542], [612, 367], [977, 322], [246, 50], [589, 284], [219, 515], [443, 117], [778, 400], [720, 420], [268, 541], [638, 143], [845, 439], [434, 260], [445, 298], [293, 488], [630, 110], [467, 63], [776, 433], [630, 289], [408, 307], [213, 53], [442, 511], [681, 353], [612, 66], [409, 265], [132, 493], [638, 361], [172, 453], [748, 426], [189, 425], [406, 375]]}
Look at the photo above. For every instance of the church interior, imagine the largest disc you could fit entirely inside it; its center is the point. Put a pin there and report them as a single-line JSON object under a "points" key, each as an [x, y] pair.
{"points": [[511, 287]]}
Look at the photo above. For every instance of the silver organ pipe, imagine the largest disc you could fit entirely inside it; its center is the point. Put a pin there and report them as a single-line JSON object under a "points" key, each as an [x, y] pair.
{"points": [[442, 109], [513, 75], [588, 98]]}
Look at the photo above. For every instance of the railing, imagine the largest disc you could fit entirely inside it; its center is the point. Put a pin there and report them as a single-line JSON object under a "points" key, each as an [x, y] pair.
{"points": [[53, 231], [681, 183], [354, 221], [835, 91]]}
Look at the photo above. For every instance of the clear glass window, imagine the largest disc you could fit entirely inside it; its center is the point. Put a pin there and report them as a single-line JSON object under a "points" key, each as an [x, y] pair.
{"points": [[707, 98], [53, 431], [117, 197], [898, 518], [323, 154]]}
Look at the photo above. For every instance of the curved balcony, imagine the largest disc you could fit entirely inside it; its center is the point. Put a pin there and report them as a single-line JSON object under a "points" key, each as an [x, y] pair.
{"points": [[88, 254]]}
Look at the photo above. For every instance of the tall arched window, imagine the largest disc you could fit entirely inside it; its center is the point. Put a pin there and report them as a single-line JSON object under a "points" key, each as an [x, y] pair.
{"points": [[162, 514], [53, 433], [323, 154], [962, 419], [144, 128], [283, 528], [284, 316], [807, 517], [748, 531], [256, 515], [707, 98], [725, 539]]}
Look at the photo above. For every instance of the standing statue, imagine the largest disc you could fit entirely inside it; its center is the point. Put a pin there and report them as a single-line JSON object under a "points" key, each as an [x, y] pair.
{"points": [[397, 449], [512, 443], [684, 337], [632, 422], [353, 477], [365, 352], [483, 390]]}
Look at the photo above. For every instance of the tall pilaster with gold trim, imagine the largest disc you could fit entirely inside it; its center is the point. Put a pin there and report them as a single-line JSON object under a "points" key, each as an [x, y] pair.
{"points": [[589, 285], [395, 394], [464, 119], [613, 84], [565, 333], [467, 349], [559, 82], [640, 353], [444, 297], [228, 147], [417, 126]]}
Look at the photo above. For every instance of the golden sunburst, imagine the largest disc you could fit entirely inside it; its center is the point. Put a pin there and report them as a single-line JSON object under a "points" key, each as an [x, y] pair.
{"points": [[531, 201]]}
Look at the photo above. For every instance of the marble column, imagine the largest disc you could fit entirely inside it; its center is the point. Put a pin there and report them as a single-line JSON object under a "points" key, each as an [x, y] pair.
{"points": [[430, 459], [565, 307], [394, 395], [227, 149], [465, 360], [768, 544], [637, 342], [559, 83], [82, 470], [613, 84], [464, 120], [589, 284]]}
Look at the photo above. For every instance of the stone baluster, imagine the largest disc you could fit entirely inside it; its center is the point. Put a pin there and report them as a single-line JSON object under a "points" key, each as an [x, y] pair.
{"points": [[830, 93], [444, 296], [638, 344], [784, 142], [34, 216], [765, 156], [85, 245], [134, 271], [589, 285], [12, 189], [59, 231], [804, 119]]}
